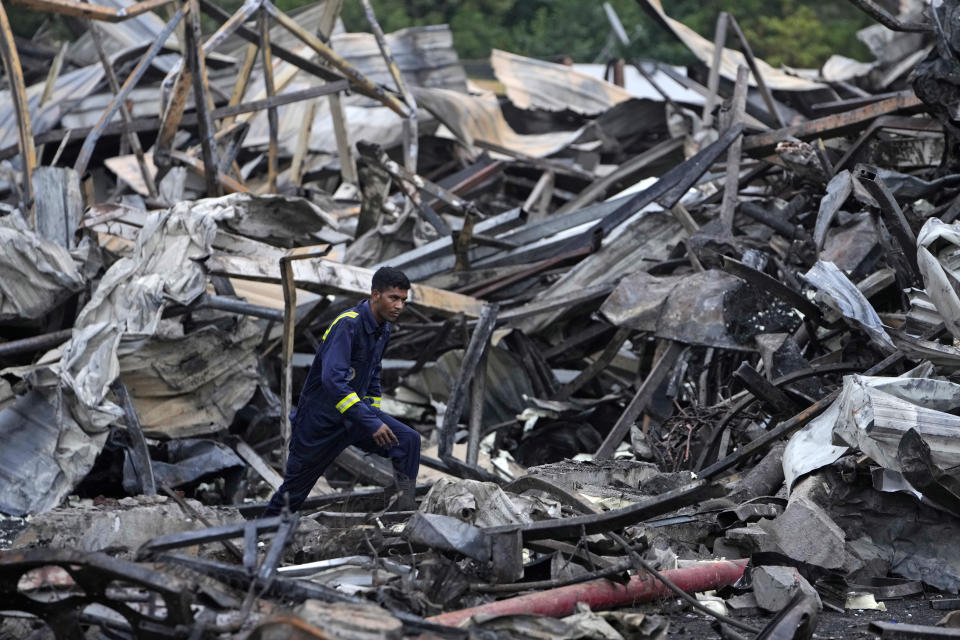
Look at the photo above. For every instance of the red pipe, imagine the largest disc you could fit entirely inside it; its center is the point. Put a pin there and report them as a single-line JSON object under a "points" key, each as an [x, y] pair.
{"points": [[604, 594]]}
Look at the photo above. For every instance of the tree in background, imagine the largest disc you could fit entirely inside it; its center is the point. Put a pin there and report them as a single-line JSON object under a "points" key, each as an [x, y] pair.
{"points": [[791, 32]]}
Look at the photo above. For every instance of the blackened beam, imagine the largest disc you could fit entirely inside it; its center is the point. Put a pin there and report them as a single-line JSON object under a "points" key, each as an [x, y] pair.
{"points": [[892, 215], [577, 526], [774, 287], [152, 124], [673, 184], [775, 400], [479, 342], [639, 401], [140, 454], [777, 223], [213, 534], [250, 509], [35, 343], [832, 125]]}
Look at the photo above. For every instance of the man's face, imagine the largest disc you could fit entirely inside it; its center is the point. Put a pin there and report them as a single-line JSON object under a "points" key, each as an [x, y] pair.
{"points": [[387, 305]]}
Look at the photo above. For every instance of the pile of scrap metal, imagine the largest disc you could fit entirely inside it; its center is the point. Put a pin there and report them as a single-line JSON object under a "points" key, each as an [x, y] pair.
{"points": [[691, 332]]}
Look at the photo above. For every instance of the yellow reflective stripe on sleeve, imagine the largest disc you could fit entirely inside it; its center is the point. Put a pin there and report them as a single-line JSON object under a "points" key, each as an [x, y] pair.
{"points": [[345, 314], [375, 400], [348, 402]]}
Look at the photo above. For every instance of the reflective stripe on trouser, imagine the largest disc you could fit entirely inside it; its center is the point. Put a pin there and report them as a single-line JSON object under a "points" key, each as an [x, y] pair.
{"points": [[375, 400], [313, 448]]}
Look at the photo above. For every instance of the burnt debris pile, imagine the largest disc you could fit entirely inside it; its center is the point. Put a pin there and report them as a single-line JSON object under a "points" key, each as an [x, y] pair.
{"points": [[681, 345]]}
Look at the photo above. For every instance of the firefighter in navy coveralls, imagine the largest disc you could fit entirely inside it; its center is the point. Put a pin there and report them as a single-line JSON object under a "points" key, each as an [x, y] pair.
{"points": [[340, 402]]}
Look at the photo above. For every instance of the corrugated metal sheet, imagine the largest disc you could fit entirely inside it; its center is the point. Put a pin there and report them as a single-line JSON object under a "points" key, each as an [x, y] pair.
{"points": [[68, 88], [478, 117], [730, 59], [535, 84]]}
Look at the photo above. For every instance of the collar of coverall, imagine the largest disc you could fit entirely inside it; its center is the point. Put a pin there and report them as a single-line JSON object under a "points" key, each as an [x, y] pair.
{"points": [[369, 322]]}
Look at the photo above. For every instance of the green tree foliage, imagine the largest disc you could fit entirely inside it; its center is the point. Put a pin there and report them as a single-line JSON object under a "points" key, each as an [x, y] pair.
{"points": [[801, 33]]}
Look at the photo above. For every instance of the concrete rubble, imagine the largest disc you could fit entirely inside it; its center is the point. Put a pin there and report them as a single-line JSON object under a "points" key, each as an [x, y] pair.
{"points": [[683, 353]]}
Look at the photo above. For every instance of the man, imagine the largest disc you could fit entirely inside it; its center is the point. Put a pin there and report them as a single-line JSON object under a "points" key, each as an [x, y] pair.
{"points": [[340, 402]]}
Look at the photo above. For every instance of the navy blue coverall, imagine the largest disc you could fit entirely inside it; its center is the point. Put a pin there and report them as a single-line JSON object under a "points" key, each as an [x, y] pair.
{"points": [[340, 406]]}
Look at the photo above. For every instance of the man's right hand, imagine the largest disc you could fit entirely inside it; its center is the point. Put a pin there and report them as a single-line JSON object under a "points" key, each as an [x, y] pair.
{"points": [[384, 437]]}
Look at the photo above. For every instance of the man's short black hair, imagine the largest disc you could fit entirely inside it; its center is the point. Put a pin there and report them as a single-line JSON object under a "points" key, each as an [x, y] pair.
{"points": [[389, 278]]}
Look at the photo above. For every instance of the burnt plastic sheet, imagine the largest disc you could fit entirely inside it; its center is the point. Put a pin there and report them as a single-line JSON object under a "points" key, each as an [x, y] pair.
{"points": [[181, 462]]}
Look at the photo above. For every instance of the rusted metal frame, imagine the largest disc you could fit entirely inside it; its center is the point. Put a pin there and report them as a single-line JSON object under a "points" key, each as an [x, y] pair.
{"points": [[280, 100], [461, 243], [410, 131], [92, 11], [49, 86], [672, 185], [131, 136], [303, 143], [286, 354], [229, 184], [86, 151], [755, 70], [53, 74], [775, 400], [786, 428], [18, 91], [173, 113], [94, 573], [197, 63], [289, 288], [576, 526], [345, 150], [595, 367], [892, 214], [140, 454], [640, 400], [355, 77], [232, 138], [479, 342], [243, 78], [401, 173], [713, 82], [887, 19], [888, 122], [774, 287], [834, 125], [283, 53], [731, 193], [268, 81]]}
